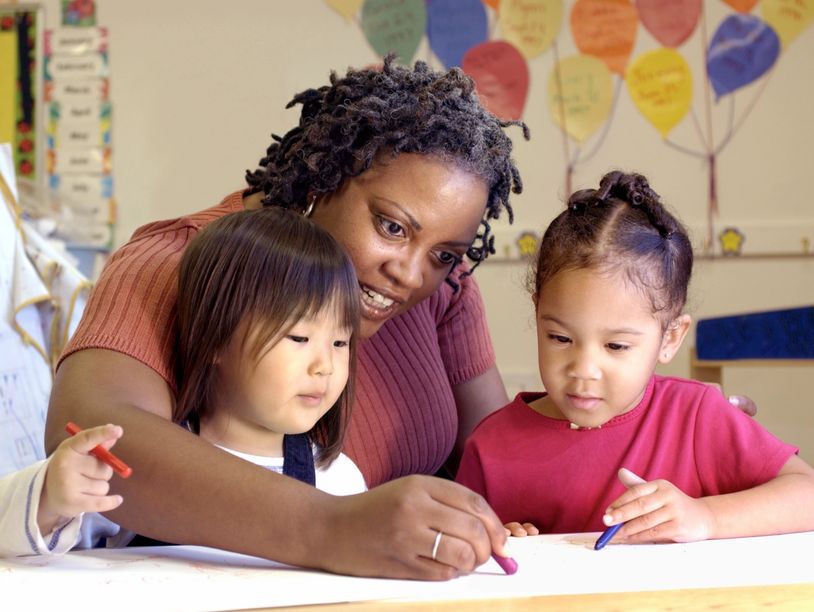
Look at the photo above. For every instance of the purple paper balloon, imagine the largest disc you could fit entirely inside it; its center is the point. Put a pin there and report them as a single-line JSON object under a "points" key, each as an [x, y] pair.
{"points": [[455, 26], [742, 49]]}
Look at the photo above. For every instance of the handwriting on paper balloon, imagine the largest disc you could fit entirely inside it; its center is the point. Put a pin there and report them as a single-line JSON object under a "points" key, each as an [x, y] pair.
{"points": [[742, 49], [501, 77]]}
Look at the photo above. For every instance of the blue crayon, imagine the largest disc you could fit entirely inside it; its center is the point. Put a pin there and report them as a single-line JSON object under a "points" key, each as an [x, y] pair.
{"points": [[606, 536]]}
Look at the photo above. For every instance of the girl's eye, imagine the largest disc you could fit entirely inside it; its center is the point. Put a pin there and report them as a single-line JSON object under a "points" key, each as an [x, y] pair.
{"points": [[340, 343], [391, 228], [301, 339], [615, 347], [559, 339]]}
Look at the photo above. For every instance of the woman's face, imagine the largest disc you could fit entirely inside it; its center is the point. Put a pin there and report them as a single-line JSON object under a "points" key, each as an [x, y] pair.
{"points": [[404, 223]]}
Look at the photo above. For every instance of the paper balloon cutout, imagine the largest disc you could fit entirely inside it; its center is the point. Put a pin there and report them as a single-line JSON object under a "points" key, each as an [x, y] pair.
{"points": [[742, 49], [580, 94], [671, 22], [605, 29], [394, 25], [660, 84], [453, 26], [346, 8], [530, 25], [501, 77], [742, 6], [788, 17]]}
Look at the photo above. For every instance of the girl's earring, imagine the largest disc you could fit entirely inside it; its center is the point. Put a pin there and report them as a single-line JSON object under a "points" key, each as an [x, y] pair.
{"points": [[310, 208]]}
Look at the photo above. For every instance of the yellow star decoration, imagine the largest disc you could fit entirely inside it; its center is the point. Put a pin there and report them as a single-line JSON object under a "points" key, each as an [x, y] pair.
{"points": [[527, 244], [731, 240]]}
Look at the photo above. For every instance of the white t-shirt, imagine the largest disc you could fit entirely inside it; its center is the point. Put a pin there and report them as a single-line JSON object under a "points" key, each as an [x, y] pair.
{"points": [[342, 477]]}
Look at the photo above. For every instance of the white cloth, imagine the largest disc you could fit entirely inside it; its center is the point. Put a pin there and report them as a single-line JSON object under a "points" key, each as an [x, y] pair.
{"points": [[42, 295], [25, 370], [341, 477], [20, 534]]}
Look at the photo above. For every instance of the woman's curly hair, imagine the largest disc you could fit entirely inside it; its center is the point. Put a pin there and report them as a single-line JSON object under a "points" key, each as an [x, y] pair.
{"points": [[396, 109]]}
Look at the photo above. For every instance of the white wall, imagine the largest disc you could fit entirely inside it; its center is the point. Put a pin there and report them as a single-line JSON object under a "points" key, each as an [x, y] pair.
{"points": [[198, 86]]}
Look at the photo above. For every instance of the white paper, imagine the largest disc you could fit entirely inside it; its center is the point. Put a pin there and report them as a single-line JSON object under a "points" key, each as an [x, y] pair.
{"points": [[201, 579]]}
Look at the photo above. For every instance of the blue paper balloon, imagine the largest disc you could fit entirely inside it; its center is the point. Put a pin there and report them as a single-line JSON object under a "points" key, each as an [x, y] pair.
{"points": [[454, 26], [743, 48]]}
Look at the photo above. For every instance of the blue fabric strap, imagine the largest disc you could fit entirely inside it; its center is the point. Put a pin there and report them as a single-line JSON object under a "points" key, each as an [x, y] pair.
{"points": [[298, 458]]}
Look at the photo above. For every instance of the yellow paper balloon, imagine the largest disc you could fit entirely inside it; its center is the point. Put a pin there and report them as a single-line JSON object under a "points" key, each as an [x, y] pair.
{"points": [[346, 8], [787, 17], [530, 25], [580, 94], [660, 83]]}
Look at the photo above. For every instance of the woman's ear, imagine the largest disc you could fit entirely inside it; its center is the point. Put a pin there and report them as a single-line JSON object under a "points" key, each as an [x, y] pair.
{"points": [[674, 337]]}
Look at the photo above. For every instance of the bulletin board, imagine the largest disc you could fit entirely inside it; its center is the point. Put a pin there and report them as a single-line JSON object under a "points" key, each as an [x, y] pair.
{"points": [[703, 97], [21, 27]]}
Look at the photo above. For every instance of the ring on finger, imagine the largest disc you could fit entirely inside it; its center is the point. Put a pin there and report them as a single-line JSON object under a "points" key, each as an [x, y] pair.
{"points": [[436, 544]]}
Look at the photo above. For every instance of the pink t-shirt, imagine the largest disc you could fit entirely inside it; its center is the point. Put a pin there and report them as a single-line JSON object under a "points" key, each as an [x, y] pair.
{"points": [[404, 417], [533, 468]]}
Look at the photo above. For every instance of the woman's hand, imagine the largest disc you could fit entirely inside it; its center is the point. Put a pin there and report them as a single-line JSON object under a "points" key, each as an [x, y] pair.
{"points": [[520, 530], [743, 402], [658, 511], [392, 530]]}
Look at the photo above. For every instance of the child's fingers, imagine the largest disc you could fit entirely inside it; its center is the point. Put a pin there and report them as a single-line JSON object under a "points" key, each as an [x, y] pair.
{"points": [[85, 440], [636, 501], [515, 529], [656, 526], [628, 478]]}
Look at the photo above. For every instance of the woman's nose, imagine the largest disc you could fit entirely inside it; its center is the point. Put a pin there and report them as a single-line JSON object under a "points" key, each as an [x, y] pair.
{"points": [[406, 270]]}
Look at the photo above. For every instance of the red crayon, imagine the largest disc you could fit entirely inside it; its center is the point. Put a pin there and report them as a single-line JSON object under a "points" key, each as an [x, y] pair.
{"points": [[101, 453]]}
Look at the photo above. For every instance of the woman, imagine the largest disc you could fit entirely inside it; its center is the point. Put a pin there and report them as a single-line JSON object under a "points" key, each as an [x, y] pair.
{"points": [[406, 169]]}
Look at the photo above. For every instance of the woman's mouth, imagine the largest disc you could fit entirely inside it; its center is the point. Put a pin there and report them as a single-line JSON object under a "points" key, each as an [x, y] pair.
{"points": [[376, 306]]}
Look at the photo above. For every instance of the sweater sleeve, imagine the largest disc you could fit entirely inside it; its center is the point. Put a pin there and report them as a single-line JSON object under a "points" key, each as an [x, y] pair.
{"points": [[20, 535], [463, 332], [734, 451]]}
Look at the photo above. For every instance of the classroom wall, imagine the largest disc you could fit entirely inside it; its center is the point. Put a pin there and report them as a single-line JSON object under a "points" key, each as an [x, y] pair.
{"points": [[198, 86]]}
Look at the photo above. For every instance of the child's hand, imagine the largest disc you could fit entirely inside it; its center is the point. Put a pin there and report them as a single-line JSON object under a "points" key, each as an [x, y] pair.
{"points": [[76, 481], [658, 511], [519, 530]]}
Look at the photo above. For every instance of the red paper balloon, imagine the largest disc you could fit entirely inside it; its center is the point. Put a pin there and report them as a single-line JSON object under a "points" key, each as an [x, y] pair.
{"points": [[501, 77], [671, 22]]}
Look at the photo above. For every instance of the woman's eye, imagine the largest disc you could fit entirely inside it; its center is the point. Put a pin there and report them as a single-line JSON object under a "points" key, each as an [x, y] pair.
{"points": [[390, 227], [447, 258], [297, 338]]}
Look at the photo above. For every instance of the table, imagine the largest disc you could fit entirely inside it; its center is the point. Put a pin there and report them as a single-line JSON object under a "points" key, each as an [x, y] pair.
{"points": [[555, 571]]}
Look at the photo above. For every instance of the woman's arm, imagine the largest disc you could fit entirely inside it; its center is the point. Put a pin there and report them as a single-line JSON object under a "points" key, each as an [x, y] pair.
{"points": [[187, 491], [475, 399]]}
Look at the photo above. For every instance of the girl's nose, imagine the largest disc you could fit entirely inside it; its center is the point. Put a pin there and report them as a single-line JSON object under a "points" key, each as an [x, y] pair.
{"points": [[584, 366], [322, 364]]}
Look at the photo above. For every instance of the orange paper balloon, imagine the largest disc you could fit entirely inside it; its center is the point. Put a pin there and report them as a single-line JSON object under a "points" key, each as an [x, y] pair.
{"points": [[605, 29], [742, 6]]}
